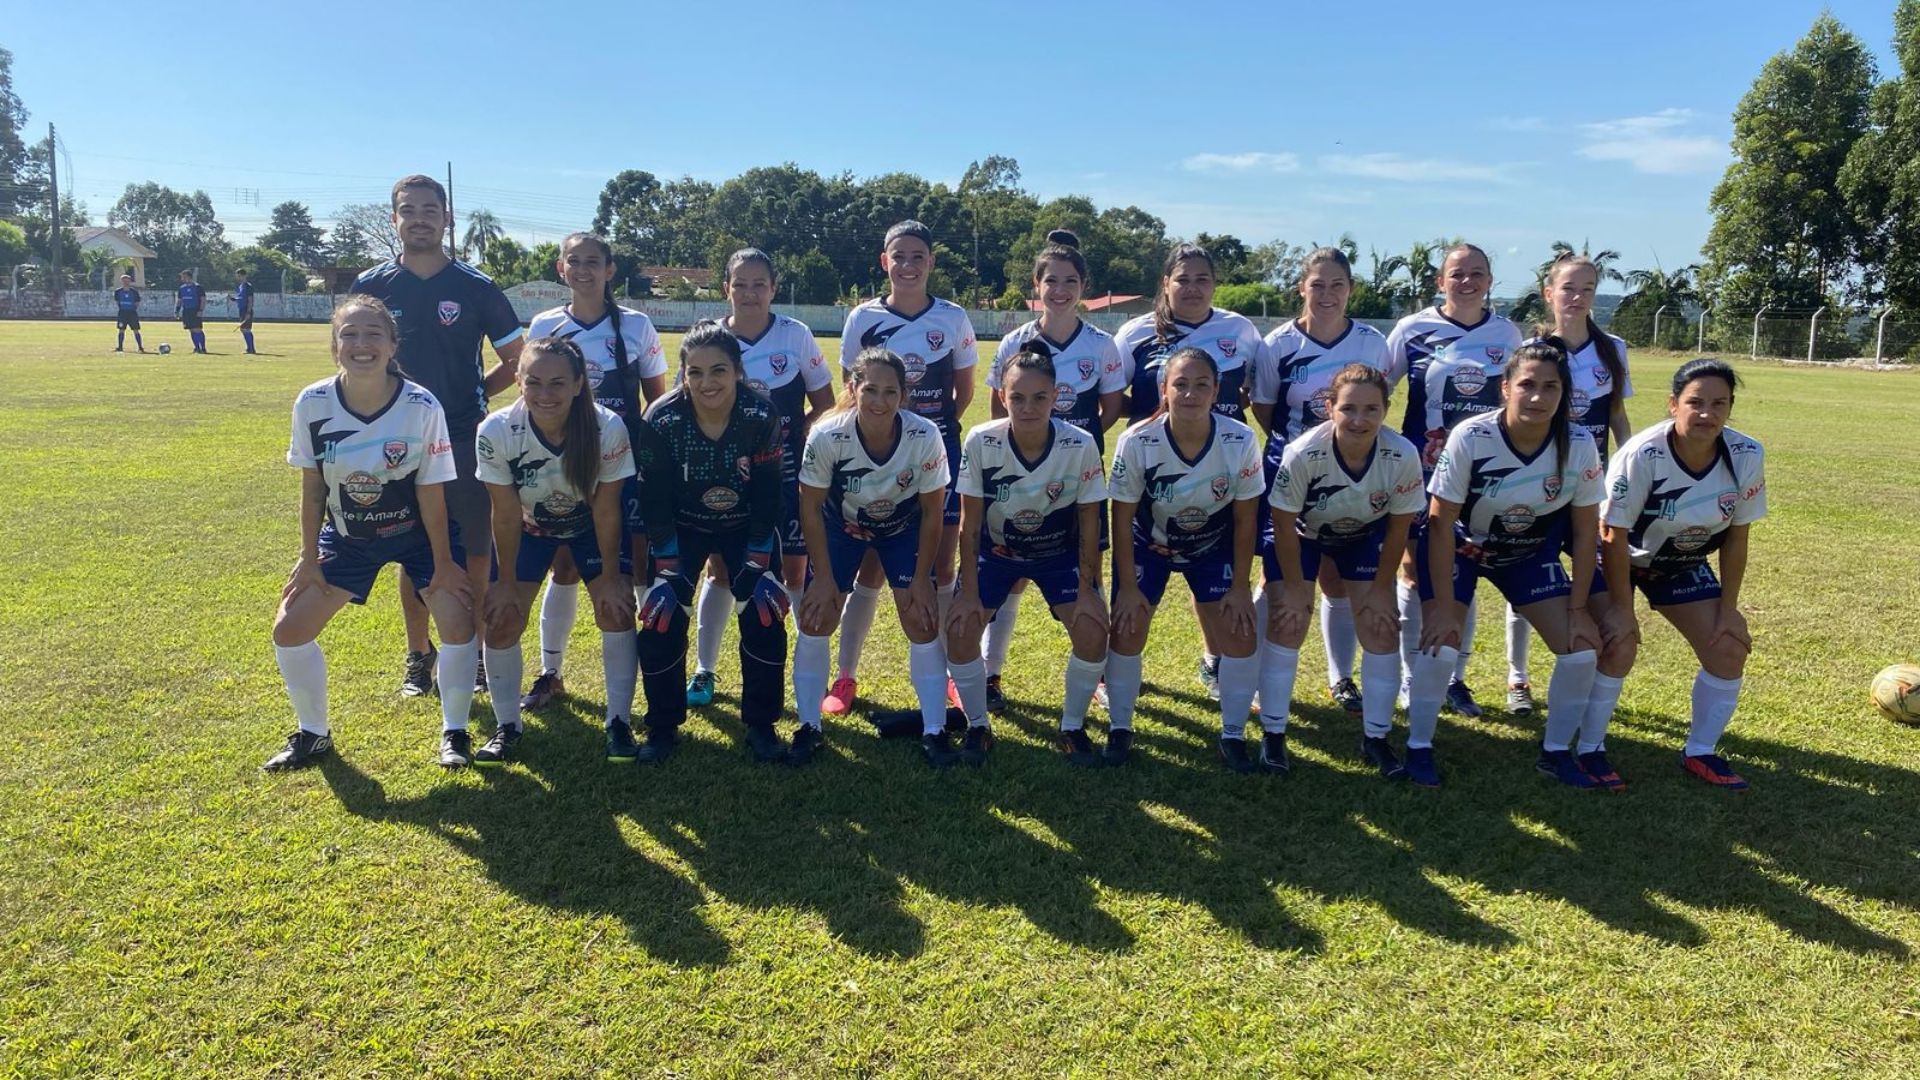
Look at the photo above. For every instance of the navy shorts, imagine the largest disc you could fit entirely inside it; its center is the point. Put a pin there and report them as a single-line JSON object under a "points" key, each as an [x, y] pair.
{"points": [[792, 539], [950, 512], [1671, 587], [1530, 580], [352, 564], [1058, 579], [1358, 560], [127, 320], [899, 556], [537, 552], [630, 505], [189, 320], [1210, 577], [246, 320]]}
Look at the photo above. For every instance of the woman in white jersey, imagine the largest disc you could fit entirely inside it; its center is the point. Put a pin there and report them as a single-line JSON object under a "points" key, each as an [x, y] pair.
{"points": [[1184, 317], [1678, 492], [934, 339], [1087, 394], [373, 453], [783, 362], [1511, 491], [1032, 486], [1186, 481], [627, 370], [873, 483], [1452, 355], [1349, 491], [1292, 393], [554, 464]]}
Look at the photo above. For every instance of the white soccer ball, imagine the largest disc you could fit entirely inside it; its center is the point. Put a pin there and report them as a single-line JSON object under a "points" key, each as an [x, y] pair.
{"points": [[1896, 690], [165, 348]]}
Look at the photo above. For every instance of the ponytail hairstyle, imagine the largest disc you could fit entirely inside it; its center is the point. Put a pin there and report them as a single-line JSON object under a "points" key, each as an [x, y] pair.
{"points": [[1163, 307], [1035, 355], [870, 359], [1185, 352], [1360, 375], [1550, 349], [1064, 245], [1323, 255], [353, 301], [1602, 344], [629, 390], [1706, 367], [580, 457]]}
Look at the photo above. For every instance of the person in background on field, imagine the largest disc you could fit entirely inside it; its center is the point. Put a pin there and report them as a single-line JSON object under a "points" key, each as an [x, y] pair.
{"points": [[243, 307], [626, 370], [189, 306], [126, 302], [375, 462], [1684, 489]]}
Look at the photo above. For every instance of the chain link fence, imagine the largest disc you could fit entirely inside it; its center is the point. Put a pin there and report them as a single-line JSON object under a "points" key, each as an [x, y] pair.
{"points": [[1824, 335]]}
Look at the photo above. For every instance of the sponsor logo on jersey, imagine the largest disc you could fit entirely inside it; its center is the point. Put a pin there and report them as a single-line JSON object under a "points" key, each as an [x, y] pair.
{"points": [[1517, 519], [449, 312], [935, 339], [1322, 400], [1468, 382], [1580, 403], [560, 504], [720, 499], [362, 487], [1119, 469], [1064, 397], [1621, 485], [395, 453], [1055, 488], [1028, 520], [1728, 500], [1228, 346], [916, 368], [1377, 501], [1347, 526], [778, 362], [1220, 485], [1692, 538], [756, 386], [1192, 519], [1551, 486], [879, 509]]}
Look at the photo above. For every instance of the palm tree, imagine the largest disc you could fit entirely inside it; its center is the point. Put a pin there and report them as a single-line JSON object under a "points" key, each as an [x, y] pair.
{"points": [[482, 229], [1422, 274], [99, 264], [1647, 292], [1533, 305]]}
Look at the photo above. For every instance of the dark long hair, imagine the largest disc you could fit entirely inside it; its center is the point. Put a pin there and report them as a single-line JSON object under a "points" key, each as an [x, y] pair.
{"points": [[1064, 245], [380, 310], [1185, 352], [870, 357], [1554, 351], [580, 457], [1706, 367], [630, 387], [1163, 307]]}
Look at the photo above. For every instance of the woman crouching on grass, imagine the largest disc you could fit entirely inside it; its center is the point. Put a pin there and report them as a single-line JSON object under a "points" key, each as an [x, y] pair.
{"points": [[373, 453], [553, 463], [1676, 493]]}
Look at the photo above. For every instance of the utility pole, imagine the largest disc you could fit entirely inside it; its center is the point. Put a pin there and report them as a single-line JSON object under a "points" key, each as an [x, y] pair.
{"points": [[452, 248], [53, 188]]}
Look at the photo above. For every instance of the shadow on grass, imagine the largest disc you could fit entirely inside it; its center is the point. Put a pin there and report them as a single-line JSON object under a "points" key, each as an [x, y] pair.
{"points": [[853, 838]]}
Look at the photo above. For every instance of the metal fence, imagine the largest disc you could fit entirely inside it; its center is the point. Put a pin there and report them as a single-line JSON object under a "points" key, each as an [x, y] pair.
{"points": [[1823, 335]]}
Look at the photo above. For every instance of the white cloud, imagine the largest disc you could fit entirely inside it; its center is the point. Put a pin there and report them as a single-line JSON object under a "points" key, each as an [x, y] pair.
{"points": [[1249, 161], [1654, 143], [1406, 170]]}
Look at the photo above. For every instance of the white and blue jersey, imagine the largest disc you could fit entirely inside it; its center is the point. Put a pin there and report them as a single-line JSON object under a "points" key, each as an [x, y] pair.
{"points": [[1514, 506], [868, 496], [1086, 367], [1594, 391], [1032, 508], [1295, 375], [936, 344], [786, 364], [511, 451], [1674, 518], [371, 464], [645, 359], [1335, 505], [1230, 338], [443, 321], [1184, 508], [1453, 372]]}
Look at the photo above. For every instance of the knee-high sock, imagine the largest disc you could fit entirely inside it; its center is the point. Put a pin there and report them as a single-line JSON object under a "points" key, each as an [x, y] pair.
{"points": [[504, 668], [927, 668], [1713, 704], [1379, 682], [856, 620], [809, 677], [1601, 702], [248, 336], [998, 636], [558, 608], [199, 340], [1469, 624], [1567, 694], [1519, 644], [137, 342], [763, 667], [304, 667], [1082, 677], [1123, 689], [1342, 641], [121, 343], [620, 663], [1239, 680], [970, 679], [457, 665], [1430, 674], [1409, 601], [715, 608], [1279, 666]]}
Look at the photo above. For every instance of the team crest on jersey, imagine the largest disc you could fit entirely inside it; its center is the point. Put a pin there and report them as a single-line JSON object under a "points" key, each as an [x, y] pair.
{"points": [[1496, 353], [1377, 501], [1054, 489], [935, 339], [395, 453], [1086, 367], [1028, 520], [1728, 500], [362, 487], [1220, 485], [916, 368], [778, 363], [1228, 346], [449, 312], [1602, 376], [1468, 382], [905, 479], [720, 499], [1551, 485]]}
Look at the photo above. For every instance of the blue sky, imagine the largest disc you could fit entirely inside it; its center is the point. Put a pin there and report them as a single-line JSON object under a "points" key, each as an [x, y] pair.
{"points": [[1511, 124]]}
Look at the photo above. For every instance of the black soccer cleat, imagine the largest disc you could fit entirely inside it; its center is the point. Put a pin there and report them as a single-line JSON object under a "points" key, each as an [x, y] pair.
{"points": [[765, 744], [456, 749], [996, 699], [1119, 749], [547, 686], [418, 678], [1346, 695], [499, 747], [807, 741], [1233, 754], [660, 745], [1273, 753], [974, 748], [1079, 749], [620, 744], [938, 750], [303, 748]]}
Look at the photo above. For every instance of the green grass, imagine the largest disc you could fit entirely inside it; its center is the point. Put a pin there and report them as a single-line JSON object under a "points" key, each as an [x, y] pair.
{"points": [[166, 909]]}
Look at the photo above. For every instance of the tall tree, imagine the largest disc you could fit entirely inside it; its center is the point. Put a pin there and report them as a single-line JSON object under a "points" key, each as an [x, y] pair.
{"points": [[1881, 179], [482, 230], [661, 224], [23, 172], [371, 226], [292, 233], [182, 228]]}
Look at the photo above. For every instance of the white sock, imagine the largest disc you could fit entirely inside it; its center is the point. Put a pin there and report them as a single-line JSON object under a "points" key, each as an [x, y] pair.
{"points": [[304, 667], [1082, 677], [1519, 644], [1567, 693], [620, 662], [1239, 680], [1601, 702], [715, 611], [1430, 674], [504, 669], [558, 607], [1713, 703], [457, 665], [1279, 666], [856, 621], [1342, 641], [809, 677], [1379, 682], [998, 636], [971, 680], [1409, 601], [1123, 689], [1469, 623], [927, 667]]}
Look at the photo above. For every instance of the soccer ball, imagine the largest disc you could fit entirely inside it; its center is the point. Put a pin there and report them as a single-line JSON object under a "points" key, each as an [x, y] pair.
{"points": [[1897, 691], [165, 348]]}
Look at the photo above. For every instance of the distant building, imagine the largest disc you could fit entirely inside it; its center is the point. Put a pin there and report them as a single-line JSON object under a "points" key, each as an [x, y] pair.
{"points": [[122, 246], [660, 279]]}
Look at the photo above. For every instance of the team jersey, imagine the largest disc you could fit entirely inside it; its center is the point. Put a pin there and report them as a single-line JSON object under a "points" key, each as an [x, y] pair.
{"points": [[192, 297], [1594, 392], [1453, 371], [690, 481], [1032, 507], [786, 364], [936, 344], [1230, 338], [1085, 367], [511, 451], [1673, 518], [243, 299], [1184, 509], [1512, 503], [372, 463], [1335, 505], [443, 319], [128, 300], [1296, 369], [869, 496], [645, 358]]}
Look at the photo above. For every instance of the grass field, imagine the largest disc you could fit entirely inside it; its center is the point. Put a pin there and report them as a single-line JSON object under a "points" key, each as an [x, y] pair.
{"points": [[167, 909]]}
